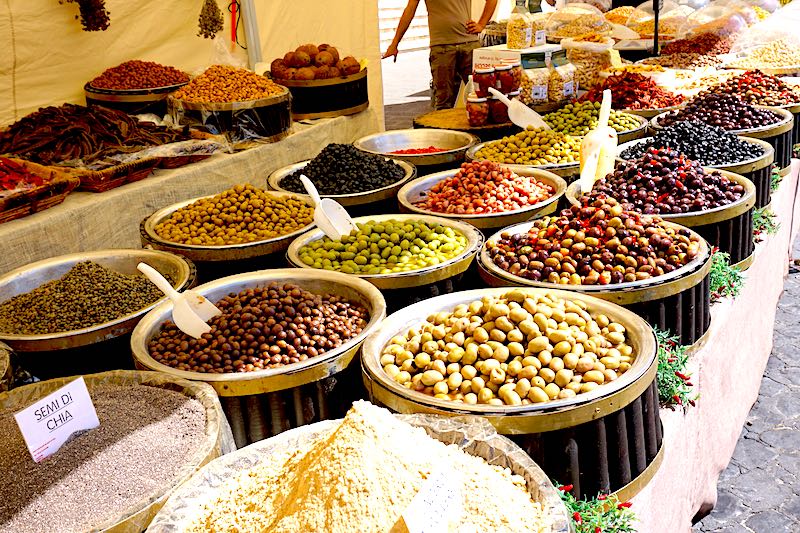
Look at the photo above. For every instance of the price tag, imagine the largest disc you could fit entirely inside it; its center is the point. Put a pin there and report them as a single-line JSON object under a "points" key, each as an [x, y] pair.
{"points": [[437, 505], [49, 423], [541, 37], [539, 92], [569, 88]]}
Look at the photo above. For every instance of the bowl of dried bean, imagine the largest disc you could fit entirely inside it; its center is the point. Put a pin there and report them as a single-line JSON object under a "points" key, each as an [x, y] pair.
{"points": [[279, 329], [135, 87], [485, 194], [517, 356], [420, 147], [85, 298]]}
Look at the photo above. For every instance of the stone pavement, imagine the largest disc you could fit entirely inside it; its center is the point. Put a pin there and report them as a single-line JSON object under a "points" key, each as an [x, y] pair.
{"points": [[759, 492], [406, 88]]}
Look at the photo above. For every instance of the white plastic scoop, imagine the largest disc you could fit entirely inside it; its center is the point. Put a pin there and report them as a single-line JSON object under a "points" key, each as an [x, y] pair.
{"points": [[329, 215], [520, 114], [598, 148], [190, 310]]}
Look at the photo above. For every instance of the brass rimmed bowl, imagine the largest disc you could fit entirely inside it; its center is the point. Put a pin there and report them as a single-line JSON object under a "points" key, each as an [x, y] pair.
{"points": [[636, 133], [626, 293], [403, 280], [565, 170], [650, 113], [416, 190], [228, 252], [770, 130], [357, 199], [29, 277], [274, 379], [534, 418], [454, 143]]}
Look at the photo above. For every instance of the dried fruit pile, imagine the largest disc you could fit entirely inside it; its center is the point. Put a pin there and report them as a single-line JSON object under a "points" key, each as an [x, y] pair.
{"points": [[633, 91], [223, 83], [723, 110], [139, 75], [14, 177], [703, 44], [312, 62], [757, 88]]}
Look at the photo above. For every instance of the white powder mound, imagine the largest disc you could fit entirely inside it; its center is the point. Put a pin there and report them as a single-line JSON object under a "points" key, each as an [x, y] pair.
{"points": [[360, 478]]}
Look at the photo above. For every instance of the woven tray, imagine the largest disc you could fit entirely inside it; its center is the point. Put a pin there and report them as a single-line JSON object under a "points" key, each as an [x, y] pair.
{"points": [[60, 182]]}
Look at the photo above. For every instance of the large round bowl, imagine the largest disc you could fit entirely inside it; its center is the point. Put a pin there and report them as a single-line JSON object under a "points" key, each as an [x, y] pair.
{"points": [[356, 199], [415, 191], [650, 113], [29, 277], [229, 252], [567, 171], [273, 379], [454, 143], [404, 280], [636, 133]]}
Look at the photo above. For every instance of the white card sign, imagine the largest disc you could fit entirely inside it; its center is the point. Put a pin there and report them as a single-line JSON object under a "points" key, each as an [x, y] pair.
{"points": [[47, 424], [437, 505]]}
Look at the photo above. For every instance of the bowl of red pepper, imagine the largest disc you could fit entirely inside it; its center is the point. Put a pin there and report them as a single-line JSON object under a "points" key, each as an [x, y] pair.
{"points": [[421, 147]]}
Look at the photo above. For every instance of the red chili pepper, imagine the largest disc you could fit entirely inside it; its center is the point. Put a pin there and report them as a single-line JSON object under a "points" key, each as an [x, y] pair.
{"points": [[683, 376], [597, 529], [577, 517], [624, 505], [565, 488], [692, 403], [677, 399], [602, 497]]}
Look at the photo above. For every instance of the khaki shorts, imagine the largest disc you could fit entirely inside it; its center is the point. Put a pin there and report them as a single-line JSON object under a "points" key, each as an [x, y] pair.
{"points": [[450, 65]]}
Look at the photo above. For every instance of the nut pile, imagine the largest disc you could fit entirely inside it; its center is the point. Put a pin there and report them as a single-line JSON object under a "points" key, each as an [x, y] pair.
{"points": [[312, 62], [516, 349], [581, 117], [386, 247], [222, 83], [344, 169], [775, 54], [139, 75], [684, 60], [262, 327], [87, 295], [703, 44], [596, 243], [636, 69], [706, 144], [484, 187], [633, 91], [238, 215], [723, 110], [533, 146], [757, 88], [665, 182]]}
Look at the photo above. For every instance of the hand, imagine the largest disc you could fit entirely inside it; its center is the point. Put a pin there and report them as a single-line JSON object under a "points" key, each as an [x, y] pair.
{"points": [[390, 52], [474, 27]]}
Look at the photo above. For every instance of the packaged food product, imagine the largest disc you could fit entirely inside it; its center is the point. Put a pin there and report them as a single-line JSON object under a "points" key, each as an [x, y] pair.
{"points": [[498, 112], [533, 90], [589, 59], [561, 86], [482, 79], [516, 73], [519, 30], [477, 111]]}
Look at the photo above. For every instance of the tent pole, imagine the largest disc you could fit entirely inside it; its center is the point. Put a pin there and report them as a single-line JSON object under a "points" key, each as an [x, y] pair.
{"points": [[251, 32]]}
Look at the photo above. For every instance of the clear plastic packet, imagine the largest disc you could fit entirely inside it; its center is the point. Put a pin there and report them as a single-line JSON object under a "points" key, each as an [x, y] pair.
{"points": [[561, 86], [569, 14], [519, 29], [717, 19], [772, 45], [533, 90], [589, 58]]}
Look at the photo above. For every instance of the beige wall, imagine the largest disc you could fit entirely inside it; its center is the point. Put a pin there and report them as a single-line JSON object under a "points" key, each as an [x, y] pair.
{"points": [[47, 57]]}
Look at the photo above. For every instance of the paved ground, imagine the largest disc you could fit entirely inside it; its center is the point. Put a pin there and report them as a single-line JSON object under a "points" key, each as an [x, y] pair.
{"points": [[406, 88]]}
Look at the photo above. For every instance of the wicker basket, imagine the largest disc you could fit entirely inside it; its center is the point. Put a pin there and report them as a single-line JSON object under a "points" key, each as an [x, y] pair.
{"points": [[59, 183]]}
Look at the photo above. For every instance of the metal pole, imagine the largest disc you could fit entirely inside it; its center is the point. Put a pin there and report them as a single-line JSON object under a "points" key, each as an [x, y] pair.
{"points": [[656, 9], [251, 32]]}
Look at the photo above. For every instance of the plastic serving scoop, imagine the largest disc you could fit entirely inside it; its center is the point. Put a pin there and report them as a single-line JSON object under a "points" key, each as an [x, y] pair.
{"points": [[598, 148], [329, 215], [520, 114], [190, 310]]}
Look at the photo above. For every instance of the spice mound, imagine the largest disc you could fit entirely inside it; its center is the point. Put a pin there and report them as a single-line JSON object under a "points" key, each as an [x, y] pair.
{"points": [[417, 151], [723, 110], [633, 91], [239, 215], [665, 182], [703, 44], [706, 144], [221, 83], [87, 295], [596, 243], [344, 169], [484, 187], [580, 118], [360, 478], [755, 87], [147, 436], [54, 135], [263, 327], [510, 350], [139, 75], [533, 146], [386, 247]]}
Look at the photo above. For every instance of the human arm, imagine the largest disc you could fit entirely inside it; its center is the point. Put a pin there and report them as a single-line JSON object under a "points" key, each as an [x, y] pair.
{"points": [[402, 27], [488, 10]]}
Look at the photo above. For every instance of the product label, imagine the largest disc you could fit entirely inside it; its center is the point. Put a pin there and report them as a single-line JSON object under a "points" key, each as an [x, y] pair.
{"points": [[437, 505], [541, 37], [49, 423], [569, 88], [539, 92]]}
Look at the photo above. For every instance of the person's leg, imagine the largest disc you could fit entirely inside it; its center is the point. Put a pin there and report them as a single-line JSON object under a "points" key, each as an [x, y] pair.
{"points": [[443, 71], [464, 60]]}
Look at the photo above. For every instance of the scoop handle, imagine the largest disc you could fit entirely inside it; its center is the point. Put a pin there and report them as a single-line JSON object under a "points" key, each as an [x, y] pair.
{"points": [[605, 109], [158, 280], [500, 96], [310, 189]]}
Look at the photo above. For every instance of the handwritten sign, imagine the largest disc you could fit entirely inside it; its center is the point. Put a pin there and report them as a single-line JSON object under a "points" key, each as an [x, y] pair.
{"points": [[49, 423], [437, 505]]}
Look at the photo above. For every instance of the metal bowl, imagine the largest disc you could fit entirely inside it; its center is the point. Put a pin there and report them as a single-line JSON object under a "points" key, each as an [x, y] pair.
{"points": [[635, 133], [31, 276], [273, 379], [455, 143], [698, 218], [366, 197], [650, 113], [565, 170], [620, 293], [534, 418], [416, 190], [761, 132], [403, 280], [227, 252]]}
